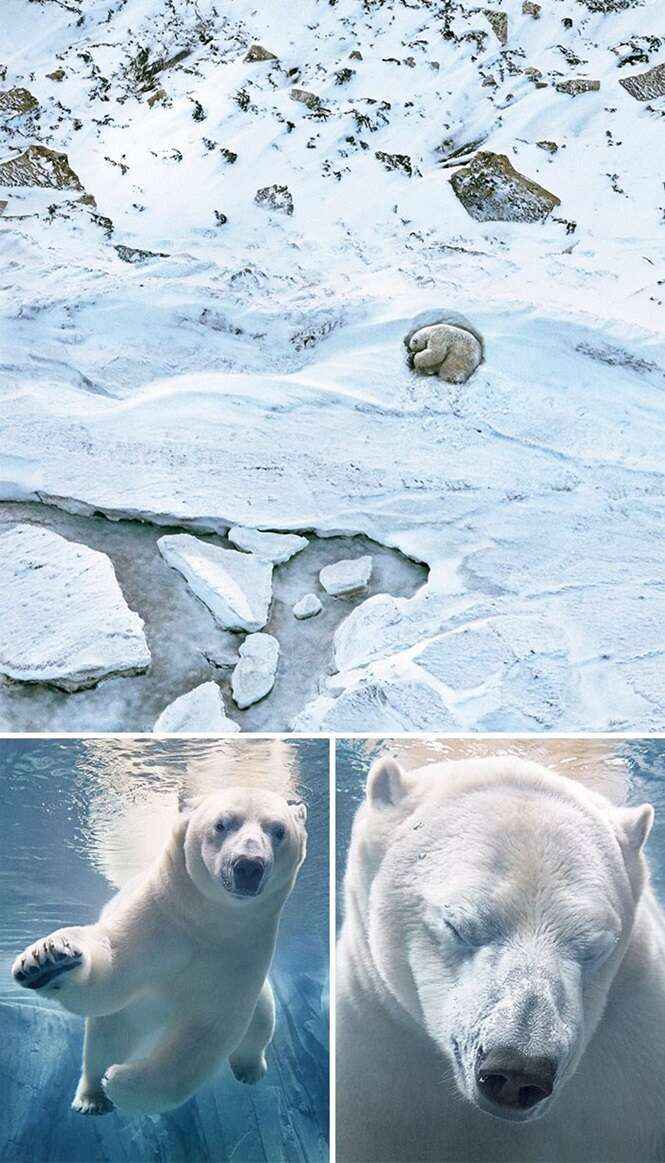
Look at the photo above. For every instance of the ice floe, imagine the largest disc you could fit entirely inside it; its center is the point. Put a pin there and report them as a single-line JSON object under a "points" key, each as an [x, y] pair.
{"points": [[254, 676], [236, 587], [307, 607], [63, 618], [201, 709], [275, 547], [346, 577]]}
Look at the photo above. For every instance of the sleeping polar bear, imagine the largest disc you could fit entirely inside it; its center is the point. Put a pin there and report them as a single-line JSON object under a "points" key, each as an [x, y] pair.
{"points": [[501, 972], [172, 979], [445, 344]]}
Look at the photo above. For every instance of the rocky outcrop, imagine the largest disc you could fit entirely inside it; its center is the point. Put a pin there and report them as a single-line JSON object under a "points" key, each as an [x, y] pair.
{"points": [[63, 618], [18, 101], [646, 86], [275, 197], [256, 52], [254, 676], [39, 166], [236, 587], [492, 190], [201, 709], [576, 85]]}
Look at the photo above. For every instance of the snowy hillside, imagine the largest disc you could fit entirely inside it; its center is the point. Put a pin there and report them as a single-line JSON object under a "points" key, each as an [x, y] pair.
{"points": [[220, 220]]}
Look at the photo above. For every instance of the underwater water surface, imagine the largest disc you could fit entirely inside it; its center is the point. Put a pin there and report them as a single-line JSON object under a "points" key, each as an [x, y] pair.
{"points": [[629, 771], [80, 817]]}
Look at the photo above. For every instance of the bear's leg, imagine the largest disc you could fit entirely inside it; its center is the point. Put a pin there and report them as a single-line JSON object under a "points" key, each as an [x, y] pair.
{"points": [[108, 1039], [248, 1060], [185, 1057], [81, 969]]}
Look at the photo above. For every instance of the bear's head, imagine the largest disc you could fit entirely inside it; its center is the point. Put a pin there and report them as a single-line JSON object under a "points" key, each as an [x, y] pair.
{"points": [[242, 844], [497, 900]]}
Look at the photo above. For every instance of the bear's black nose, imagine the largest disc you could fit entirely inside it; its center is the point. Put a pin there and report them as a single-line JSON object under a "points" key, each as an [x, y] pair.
{"points": [[512, 1079], [248, 875]]}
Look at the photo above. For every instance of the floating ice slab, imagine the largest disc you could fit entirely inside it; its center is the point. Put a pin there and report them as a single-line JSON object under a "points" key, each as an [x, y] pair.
{"points": [[346, 577], [63, 618], [254, 676], [236, 587], [275, 547], [308, 607], [201, 709]]}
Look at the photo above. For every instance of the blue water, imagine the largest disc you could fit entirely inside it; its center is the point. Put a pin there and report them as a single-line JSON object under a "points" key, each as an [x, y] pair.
{"points": [[81, 815], [627, 771]]}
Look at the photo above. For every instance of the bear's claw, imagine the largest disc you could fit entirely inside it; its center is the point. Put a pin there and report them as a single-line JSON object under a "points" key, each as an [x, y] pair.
{"points": [[89, 1105], [44, 961]]}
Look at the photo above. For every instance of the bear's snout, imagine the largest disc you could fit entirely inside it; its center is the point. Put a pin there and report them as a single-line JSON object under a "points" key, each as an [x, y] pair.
{"points": [[248, 874], [511, 1083]]}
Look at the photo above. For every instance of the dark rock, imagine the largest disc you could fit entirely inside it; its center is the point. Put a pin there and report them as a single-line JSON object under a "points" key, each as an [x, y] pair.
{"points": [[646, 86], [39, 166], [577, 85], [275, 198], [395, 161], [18, 101], [492, 190], [257, 52]]}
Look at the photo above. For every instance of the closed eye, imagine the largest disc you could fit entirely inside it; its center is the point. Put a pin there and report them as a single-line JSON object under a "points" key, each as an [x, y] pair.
{"points": [[278, 832], [466, 940], [595, 949]]}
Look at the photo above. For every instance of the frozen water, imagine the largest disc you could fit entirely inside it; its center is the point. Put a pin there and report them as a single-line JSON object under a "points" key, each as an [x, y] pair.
{"points": [[186, 645], [81, 817], [63, 618], [254, 676], [201, 709]]}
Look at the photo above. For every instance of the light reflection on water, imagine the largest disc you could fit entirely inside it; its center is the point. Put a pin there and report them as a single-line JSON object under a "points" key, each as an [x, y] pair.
{"points": [[81, 816], [626, 771]]}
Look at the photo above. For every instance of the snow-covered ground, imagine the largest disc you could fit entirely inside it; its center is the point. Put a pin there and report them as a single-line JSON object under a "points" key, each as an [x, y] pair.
{"points": [[250, 369]]}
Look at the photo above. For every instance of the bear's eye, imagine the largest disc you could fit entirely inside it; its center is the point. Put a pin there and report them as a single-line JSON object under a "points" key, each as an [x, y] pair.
{"points": [[278, 832], [464, 940], [222, 826]]}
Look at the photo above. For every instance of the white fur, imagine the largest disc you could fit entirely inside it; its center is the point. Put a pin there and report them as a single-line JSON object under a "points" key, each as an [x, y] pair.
{"points": [[536, 873], [172, 979], [445, 344]]}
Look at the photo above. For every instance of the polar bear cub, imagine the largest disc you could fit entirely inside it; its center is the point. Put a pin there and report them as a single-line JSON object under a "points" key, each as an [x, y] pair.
{"points": [[445, 344], [501, 972], [173, 977]]}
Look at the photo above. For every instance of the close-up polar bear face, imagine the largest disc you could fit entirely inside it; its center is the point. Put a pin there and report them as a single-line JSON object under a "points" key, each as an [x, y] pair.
{"points": [[243, 843], [502, 898]]}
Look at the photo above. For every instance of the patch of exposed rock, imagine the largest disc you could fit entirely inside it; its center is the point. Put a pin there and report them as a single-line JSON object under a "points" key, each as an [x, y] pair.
{"points": [[646, 86], [492, 190], [275, 197], [39, 166]]}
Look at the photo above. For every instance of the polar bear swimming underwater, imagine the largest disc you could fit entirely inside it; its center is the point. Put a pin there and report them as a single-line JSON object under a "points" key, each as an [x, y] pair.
{"points": [[501, 972], [172, 979]]}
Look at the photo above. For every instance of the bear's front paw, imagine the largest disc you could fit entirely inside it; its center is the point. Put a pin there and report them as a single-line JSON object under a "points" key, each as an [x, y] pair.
{"points": [[249, 1070], [47, 959]]}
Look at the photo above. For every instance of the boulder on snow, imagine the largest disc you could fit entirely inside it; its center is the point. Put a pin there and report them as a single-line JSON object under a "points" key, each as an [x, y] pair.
{"points": [[498, 22], [530, 8], [254, 676], [236, 587], [576, 85], [63, 618], [646, 86], [304, 97], [201, 709], [307, 607], [492, 190], [18, 101], [256, 52], [39, 166], [275, 547], [349, 576]]}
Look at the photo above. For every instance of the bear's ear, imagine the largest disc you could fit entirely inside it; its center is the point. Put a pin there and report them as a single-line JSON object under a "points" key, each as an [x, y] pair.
{"points": [[188, 804], [386, 783], [635, 824], [299, 811]]}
